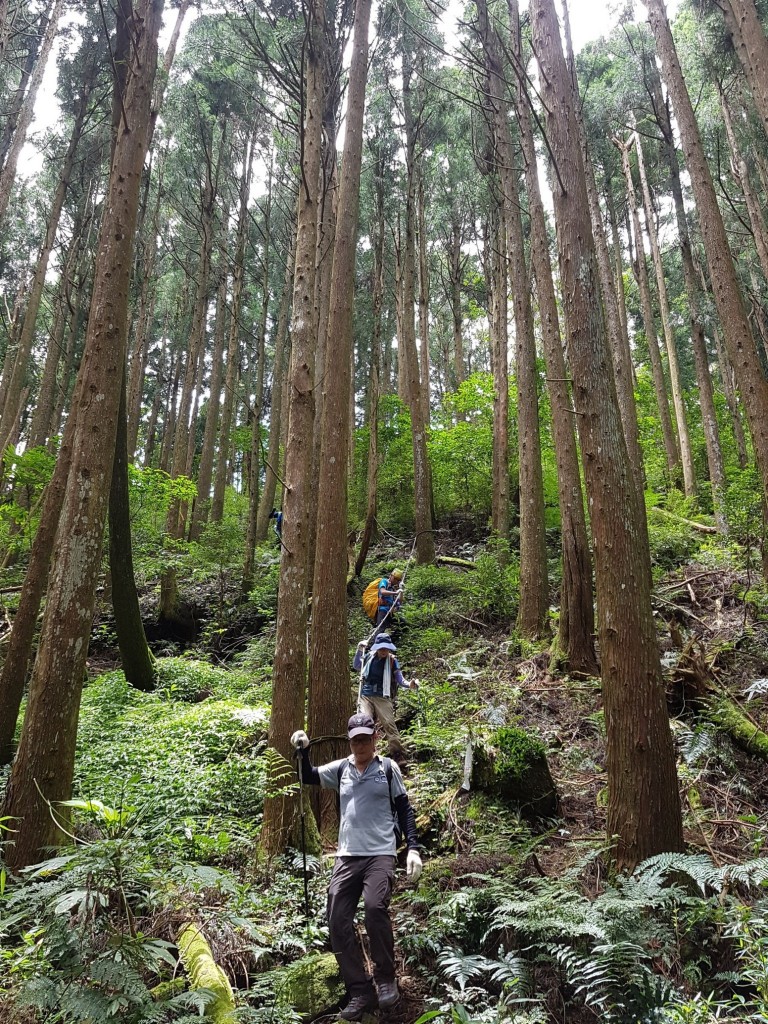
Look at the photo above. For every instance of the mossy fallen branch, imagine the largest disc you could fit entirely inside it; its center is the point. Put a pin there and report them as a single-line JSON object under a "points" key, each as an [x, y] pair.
{"points": [[461, 563], [744, 733], [205, 973], [701, 527]]}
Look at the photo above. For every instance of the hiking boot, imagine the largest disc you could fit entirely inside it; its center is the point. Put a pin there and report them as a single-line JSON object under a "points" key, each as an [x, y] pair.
{"points": [[358, 1006], [388, 993]]}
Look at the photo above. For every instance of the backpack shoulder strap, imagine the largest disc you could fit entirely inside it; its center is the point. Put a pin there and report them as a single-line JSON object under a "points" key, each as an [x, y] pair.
{"points": [[388, 771], [340, 773]]}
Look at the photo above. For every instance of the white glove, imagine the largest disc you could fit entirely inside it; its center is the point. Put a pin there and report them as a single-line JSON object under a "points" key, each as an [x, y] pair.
{"points": [[413, 866], [299, 739], [414, 684]]}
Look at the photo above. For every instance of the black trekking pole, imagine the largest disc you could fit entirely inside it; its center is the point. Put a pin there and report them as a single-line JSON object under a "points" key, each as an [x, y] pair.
{"points": [[300, 770]]}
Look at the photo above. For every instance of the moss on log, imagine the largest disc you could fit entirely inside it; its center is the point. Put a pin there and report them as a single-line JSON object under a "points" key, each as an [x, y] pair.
{"points": [[744, 733], [204, 972]]}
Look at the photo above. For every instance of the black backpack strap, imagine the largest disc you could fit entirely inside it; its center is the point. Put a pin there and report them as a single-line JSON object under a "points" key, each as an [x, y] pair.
{"points": [[340, 773], [388, 771]]}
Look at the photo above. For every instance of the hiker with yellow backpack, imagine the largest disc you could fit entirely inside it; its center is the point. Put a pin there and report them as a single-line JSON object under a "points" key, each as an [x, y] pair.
{"points": [[382, 597]]}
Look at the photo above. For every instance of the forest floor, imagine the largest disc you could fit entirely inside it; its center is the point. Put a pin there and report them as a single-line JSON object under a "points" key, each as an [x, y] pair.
{"points": [[476, 676]]}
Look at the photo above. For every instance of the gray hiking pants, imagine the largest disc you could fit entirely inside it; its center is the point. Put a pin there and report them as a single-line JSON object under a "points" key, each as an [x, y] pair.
{"points": [[371, 877]]}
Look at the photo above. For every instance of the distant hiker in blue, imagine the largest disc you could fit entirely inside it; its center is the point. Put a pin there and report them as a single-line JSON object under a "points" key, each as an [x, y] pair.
{"points": [[390, 597], [371, 797], [278, 517], [381, 679]]}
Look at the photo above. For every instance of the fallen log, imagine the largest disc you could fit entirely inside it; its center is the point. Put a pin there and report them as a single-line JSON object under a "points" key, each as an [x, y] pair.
{"points": [[701, 527], [204, 972], [461, 563], [745, 734]]}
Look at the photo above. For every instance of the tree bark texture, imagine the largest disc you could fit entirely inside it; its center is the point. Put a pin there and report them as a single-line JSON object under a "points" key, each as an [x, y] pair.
{"points": [[42, 770], [330, 702], [576, 640], [644, 807], [291, 642]]}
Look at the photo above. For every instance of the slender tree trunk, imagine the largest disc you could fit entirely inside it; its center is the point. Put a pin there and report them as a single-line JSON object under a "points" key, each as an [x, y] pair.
{"points": [[230, 382], [421, 220], [576, 638], [135, 656], [330, 702], [739, 341], [698, 341], [276, 414], [422, 488], [500, 367], [741, 174], [8, 172], [743, 25], [211, 433], [42, 770], [686, 456], [374, 391], [534, 593], [643, 802], [15, 385], [734, 409], [651, 337], [456, 275], [291, 642]]}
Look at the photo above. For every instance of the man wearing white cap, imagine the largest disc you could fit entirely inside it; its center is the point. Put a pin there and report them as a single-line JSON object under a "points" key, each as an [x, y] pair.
{"points": [[371, 794]]}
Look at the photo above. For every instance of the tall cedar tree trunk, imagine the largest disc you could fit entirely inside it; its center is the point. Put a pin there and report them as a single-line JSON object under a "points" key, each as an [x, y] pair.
{"points": [[617, 336], [19, 652], [683, 436], [742, 23], [576, 640], [254, 475], [643, 804], [715, 464], [40, 429], [330, 701], [135, 656], [421, 222], [276, 412], [326, 239], [42, 770], [230, 381], [500, 369], [741, 175], [374, 386], [211, 432], [651, 337], [534, 594], [456, 275], [291, 641], [12, 391], [184, 432], [147, 299], [8, 173], [739, 341], [422, 479]]}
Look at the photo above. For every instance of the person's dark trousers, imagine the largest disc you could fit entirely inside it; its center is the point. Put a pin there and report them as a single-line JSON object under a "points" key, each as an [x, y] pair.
{"points": [[372, 878]]}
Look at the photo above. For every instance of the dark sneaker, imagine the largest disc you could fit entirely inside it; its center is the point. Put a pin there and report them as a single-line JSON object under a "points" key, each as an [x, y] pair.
{"points": [[358, 1006], [388, 994]]}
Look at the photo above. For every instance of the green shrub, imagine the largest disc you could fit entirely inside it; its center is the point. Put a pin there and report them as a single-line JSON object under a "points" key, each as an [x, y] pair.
{"points": [[491, 590], [516, 750]]}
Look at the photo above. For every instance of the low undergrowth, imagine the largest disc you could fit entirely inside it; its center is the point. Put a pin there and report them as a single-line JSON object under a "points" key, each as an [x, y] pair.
{"points": [[514, 921]]}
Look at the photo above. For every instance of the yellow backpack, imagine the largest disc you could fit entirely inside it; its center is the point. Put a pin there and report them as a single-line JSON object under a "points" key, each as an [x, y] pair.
{"points": [[371, 598]]}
